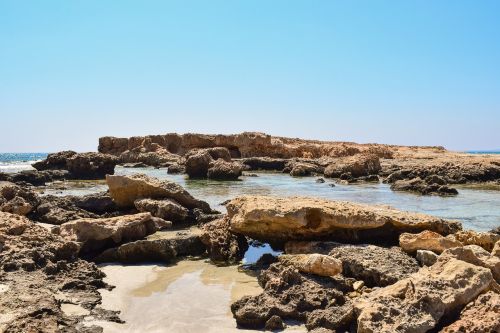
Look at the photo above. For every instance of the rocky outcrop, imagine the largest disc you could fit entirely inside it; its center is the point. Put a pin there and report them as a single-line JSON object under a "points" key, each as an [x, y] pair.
{"points": [[302, 169], [357, 166], [16, 199], [264, 163], [418, 185], [80, 165], [291, 295], [58, 210], [486, 240], [314, 263], [197, 164], [95, 235], [422, 301], [35, 177], [427, 240], [166, 209], [221, 244], [214, 163], [39, 273], [162, 246], [482, 315], [220, 169], [125, 190], [298, 218]]}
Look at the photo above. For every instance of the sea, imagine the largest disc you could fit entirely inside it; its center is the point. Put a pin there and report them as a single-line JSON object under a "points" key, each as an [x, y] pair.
{"points": [[15, 162]]}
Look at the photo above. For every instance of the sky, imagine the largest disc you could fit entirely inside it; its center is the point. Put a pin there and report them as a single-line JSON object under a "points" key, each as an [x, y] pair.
{"points": [[397, 72]]}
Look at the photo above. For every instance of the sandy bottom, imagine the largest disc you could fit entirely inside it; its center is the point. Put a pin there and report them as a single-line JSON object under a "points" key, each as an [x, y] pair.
{"points": [[189, 297]]}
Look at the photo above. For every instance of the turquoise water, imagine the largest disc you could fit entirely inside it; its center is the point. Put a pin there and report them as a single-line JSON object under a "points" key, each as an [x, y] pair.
{"points": [[15, 162]]}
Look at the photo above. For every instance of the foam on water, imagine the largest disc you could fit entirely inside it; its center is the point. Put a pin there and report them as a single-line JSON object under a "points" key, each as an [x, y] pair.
{"points": [[15, 162]]}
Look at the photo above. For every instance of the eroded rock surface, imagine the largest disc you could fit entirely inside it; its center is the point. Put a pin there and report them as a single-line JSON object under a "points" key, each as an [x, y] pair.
{"points": [[357, 166], [16, 199], [166, 209], [222, 245], [299, 218], [427, 240], [314, 263], [418, 185]]}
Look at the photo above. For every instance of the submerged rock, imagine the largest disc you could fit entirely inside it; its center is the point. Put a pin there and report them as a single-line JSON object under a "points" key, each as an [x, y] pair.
{"points": [[418, 303], [419, 186], [125, 190], [299, 218]]}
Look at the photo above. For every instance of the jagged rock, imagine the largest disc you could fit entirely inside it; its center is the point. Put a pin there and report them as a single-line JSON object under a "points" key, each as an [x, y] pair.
{"points": [[426, 258], [197, 164], [223, 170], [496, 249], [97, 234], [313, 263], [80, 165], [163, 246], [125, 190], [166, 209], [58, 210], [289, 295], [35, 177], [481, 315], [418, 303], [221, 244], [330, 319], [427, 240], [301, 169], [16, 199], [36, 267], [275, 323], [357, 166], [176, 169], [97, 203], [298, 218], [264, 163], [475, 255], [219, 153], [486, 240], [419, 186]]}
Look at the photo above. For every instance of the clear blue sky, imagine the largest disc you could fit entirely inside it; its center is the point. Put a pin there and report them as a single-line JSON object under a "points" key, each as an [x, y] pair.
{"points": [[402, 72]]}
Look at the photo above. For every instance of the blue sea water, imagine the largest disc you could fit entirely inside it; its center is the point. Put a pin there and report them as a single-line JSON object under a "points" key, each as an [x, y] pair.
{"points": [[14, 162]]}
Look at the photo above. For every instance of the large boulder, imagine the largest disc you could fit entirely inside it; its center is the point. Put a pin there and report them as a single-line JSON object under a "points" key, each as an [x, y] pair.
{"points": [[125, 190], [427, 240], [358, 165], [418, 303], [301, 169], [80, 165], [16, 199], [298, 218], [222, 245], [224, 170], [198, 163], [166, 209], [97, 234]]}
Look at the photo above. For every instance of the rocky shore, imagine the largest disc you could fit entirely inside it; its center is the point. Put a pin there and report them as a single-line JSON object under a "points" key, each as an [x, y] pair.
{"points": [[341, 267]]}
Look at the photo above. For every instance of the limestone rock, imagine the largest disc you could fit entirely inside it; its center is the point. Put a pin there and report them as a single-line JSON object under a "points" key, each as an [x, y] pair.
{"points": [[264, 163], [197, 164], [486, 240], [166, 209], [427, 240], [314, 263], [357, 166], [97, 234], [426, 258], [496, 249], [298, 218], [58, 210], [419, 186], [125, 190], [417, 303], [16, 199], [224, 170], [221, 244], [482, 315]]}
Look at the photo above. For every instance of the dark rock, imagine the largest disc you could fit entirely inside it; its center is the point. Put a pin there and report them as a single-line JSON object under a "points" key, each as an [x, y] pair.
{"points": [[417, 185], [320, 180], [275, 323], [357, 165], [197, 164], [223, 170], [166, 209], [264, 163], [16, 199], [176, 169], [221, 244]]}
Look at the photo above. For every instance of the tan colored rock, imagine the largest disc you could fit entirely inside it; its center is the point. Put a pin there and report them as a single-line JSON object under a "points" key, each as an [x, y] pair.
{"points": [[126, 189], [300, 218], [427, 240], [416, 304], [224, 170], [486, 240], [96, 234], [357, 165], [482, 315], [166, 209], [496, 249], [475, 255], [314, 263]]}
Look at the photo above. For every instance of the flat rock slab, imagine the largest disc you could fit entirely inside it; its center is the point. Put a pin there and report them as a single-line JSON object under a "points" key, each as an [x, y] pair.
{"points": [[275, 219]]}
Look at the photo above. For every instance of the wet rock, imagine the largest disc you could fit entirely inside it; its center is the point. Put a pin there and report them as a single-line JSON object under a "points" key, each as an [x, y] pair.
{"points": [[222, 245], [426, 258], [486, 240], [357, 165], [264, 163], [320, 180], [289, 295], [275, 323], [427, 240], [224, 170], [35, 268], [302, 169], [419, 302], [299, 218], [134, 165], [314, 263], [166, 209], [96, 234], [482, 315], [417, 185], [80, 165], [176, 169], [197, 164], [16, 199], [125, 190], [35, 177], [162, 246]]}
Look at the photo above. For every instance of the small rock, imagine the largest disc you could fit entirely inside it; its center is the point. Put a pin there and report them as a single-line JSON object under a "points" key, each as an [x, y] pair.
{"points": [[275, 323], [426, 258]]}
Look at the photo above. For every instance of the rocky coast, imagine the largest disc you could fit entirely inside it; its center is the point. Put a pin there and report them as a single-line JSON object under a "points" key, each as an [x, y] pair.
{"points": [[337, 266]]}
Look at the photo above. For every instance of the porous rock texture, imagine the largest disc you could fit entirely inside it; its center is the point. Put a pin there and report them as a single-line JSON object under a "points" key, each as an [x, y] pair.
{"points": [[39, 271], [166, 209], [125, 190], [223, 245], [357, 166], [314, 263], [299, 218], [16, 199], [427, 240]]}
